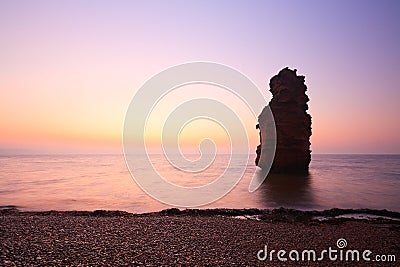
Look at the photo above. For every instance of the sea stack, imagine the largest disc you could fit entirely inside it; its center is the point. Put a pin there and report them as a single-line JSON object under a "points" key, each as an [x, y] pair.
{"points": [[292, 122]]}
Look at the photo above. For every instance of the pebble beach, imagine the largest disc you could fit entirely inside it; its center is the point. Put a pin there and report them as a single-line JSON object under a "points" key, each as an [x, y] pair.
{"points": [[185, 238]]}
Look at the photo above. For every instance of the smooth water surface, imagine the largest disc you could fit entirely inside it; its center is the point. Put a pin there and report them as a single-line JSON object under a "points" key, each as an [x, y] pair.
{"points": [[90, 182]]}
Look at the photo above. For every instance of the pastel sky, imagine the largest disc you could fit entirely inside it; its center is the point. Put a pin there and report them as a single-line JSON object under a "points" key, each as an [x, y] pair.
{"points": [[69, 69]]}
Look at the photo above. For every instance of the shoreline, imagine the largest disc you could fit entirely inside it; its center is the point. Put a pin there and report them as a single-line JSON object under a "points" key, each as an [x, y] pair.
{"points": [[214, 237], [282, 214]]}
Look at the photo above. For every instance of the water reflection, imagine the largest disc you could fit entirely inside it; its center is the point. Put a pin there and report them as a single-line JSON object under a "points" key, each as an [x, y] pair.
{"points": [[290, 191], [89, 182]]}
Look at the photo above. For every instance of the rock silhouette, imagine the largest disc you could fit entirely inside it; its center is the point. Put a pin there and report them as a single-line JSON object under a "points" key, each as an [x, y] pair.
{"points": [[293, 124]]}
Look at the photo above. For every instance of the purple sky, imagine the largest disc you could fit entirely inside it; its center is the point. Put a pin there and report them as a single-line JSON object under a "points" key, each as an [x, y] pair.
{"points": [[68, 69]]}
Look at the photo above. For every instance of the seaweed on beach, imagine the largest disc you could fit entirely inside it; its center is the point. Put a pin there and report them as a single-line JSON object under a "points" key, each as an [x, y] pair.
{"points": [[270, 215]]}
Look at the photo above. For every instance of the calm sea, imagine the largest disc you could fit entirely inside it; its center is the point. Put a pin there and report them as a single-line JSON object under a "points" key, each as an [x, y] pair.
{"points": [[90, 182]]}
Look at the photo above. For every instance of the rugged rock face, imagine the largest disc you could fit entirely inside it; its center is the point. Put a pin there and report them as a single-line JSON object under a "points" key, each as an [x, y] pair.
{"points": [[293, 124]]}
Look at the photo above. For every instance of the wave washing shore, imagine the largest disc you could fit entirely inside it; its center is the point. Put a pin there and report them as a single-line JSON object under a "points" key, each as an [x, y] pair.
{"points": [[211, 237]]}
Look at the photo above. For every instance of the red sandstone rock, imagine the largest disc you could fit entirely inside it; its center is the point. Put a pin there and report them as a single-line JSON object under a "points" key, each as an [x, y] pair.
{"points": [[293, 124]]}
